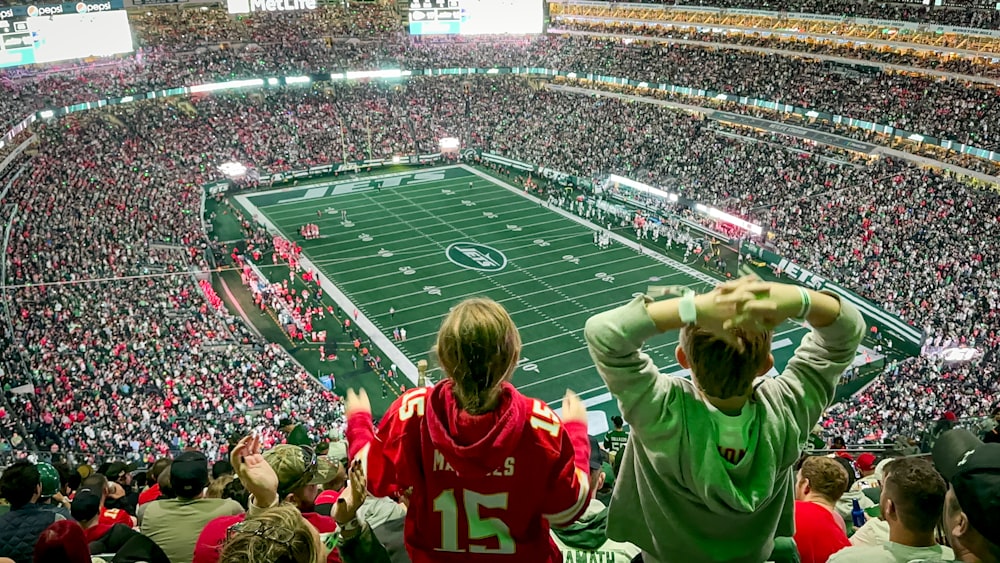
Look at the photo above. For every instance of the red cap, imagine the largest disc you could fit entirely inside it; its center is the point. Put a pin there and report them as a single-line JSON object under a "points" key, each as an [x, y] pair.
{"points": [[846, 456], [866, 462]]}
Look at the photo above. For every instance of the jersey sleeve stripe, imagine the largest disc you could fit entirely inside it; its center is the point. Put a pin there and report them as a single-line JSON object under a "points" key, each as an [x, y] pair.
{"points": [[569, 515]]}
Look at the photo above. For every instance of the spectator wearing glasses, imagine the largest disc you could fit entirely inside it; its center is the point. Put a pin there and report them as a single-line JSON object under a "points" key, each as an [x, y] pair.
{"points": [[269, 482], [174, 524], [277, 535]]}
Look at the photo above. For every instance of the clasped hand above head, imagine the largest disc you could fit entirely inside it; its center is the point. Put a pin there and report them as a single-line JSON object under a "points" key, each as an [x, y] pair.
{"points": [[747, 302]]}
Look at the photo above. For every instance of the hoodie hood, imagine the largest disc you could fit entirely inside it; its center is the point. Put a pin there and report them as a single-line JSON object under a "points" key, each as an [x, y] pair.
{"points": [[475, 444], [588, 533]]}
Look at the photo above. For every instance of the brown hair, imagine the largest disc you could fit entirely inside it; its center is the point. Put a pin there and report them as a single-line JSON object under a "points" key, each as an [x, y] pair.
{"points": [[918, 492], [478, 347], [262, 547], [826, 476], [217, 486], [725, 368]]}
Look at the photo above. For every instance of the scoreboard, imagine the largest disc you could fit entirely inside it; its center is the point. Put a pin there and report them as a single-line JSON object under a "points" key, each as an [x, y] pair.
{"points": [[476, 17], [43, 33]]}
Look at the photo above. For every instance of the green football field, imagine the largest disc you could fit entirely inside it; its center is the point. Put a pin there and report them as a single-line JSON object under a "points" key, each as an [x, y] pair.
{"points": [[418, 242]]}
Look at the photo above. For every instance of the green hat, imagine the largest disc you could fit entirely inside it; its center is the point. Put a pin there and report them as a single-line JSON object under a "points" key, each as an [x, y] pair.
{"points": [[50, 479], [298, 466]]}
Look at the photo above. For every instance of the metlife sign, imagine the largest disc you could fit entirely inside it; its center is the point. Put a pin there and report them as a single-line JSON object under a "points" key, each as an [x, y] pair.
{"points": [[248, 6]]}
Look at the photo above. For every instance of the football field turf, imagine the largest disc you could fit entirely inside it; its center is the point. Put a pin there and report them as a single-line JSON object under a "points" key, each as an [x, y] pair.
{"points": [[424, 240]]}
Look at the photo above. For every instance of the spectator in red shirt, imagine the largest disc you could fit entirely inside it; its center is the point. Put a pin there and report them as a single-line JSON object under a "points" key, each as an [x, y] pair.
{"points": [[98, 482], [490, 469], [153, 492], [819, 530]]}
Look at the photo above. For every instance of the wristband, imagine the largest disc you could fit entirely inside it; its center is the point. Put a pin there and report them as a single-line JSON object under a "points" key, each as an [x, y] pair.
{"points": [[687, 310], [806, 303]]}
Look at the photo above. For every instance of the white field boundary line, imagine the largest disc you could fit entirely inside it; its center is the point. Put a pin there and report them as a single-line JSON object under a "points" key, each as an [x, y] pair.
{"points": [[624, 241], [394, 354], [335, 183]]}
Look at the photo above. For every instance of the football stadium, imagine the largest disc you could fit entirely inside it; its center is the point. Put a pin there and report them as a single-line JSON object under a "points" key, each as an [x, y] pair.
{"points": [[499, 280]]}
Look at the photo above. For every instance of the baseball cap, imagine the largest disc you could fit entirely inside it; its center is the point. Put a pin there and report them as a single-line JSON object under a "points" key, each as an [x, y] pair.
{"points": [[866, 462], [115, 470], [221, 467], [49, 478], [298, 466], [189, 474], [86, 505], [973, 470], [596, 454], [325, 501], [284, 422]]}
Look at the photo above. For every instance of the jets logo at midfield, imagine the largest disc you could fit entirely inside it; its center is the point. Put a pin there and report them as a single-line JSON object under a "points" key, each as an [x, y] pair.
{"points": [[474, 256]]}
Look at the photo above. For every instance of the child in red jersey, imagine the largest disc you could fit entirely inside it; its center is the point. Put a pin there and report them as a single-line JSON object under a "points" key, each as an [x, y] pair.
{"points": [[490, 469]]}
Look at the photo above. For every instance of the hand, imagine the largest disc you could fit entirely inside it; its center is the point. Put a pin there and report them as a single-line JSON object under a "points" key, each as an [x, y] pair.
{"points": [[350, 500], [254, 472], [762, 304], [573, 409], [717, 308], [357, 403]]}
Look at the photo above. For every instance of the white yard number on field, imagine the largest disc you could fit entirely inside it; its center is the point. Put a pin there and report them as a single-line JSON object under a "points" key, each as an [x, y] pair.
{"points": [[432, 290], [385, 253], [468, 203], [365, 237], [407, 271], [604, 277], [571, 259], [490, 215], [514, 228], [526, 365], [541, 242], [447, 192]]}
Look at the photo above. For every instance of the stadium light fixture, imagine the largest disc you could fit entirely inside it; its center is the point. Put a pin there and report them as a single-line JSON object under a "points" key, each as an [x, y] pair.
{"points": [[233, 169]]}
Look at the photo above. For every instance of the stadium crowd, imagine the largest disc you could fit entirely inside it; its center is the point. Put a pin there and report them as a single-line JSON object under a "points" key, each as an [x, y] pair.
{"points": [[949, 109], [955, 13], [125, 357], [857, 222]]}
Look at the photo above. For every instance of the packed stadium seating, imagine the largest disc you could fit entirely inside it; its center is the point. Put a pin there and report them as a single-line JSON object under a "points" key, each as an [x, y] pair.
{"points": [[126, 357]]}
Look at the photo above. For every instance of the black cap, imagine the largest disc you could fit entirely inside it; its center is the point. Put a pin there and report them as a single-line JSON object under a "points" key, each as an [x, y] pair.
{"points": [[115, 470], [973, 469], [86, 505], [221, 467], [189, 474], [596, 454], [285, 422]]}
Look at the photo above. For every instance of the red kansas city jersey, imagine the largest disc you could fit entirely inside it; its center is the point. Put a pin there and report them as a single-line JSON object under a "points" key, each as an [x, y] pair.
{"points": [[485, 487]]}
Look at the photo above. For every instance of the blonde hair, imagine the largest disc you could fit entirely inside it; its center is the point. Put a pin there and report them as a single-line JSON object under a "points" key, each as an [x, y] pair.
{"points": [[259, 548], [478, 347], [725, 367], [217, 486]]}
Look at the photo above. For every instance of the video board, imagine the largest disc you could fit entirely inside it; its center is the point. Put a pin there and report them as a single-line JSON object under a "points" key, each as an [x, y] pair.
{"points": [[476, 17], [45, 33]]}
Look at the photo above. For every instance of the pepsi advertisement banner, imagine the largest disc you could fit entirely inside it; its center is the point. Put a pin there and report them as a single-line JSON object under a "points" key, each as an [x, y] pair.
{"points": [[41, 33]]}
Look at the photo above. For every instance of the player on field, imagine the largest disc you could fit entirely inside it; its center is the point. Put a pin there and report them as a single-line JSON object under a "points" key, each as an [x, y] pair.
{"points": [[707, 472], [490, 469]]}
